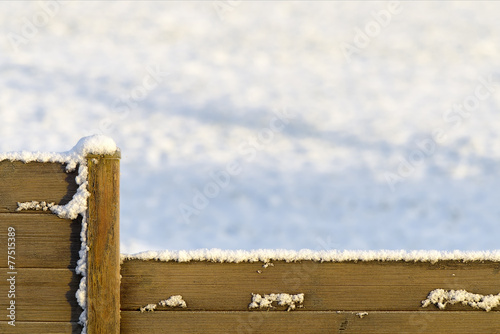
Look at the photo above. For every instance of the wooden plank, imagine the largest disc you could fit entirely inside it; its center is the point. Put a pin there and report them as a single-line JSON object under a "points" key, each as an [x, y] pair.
{"points": [[34, 181], [40, 327], [311, 322], [42, 241], [388, 286], [42, 294], [103, 280]]}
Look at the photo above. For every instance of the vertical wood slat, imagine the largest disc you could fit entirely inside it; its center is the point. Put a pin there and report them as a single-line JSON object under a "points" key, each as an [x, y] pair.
{"points": [[103, 279]]}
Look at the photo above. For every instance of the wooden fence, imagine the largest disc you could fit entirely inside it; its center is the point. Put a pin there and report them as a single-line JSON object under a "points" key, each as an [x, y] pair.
{"points": [[338, 297], [38, 281]]}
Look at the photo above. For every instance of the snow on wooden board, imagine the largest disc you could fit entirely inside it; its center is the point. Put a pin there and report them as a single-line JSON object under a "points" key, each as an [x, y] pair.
{"points": [[172, 301], [362, 286], [274, 261], [22, 183], [76, 206], [441, 298], [269, 255], [281, 299]]}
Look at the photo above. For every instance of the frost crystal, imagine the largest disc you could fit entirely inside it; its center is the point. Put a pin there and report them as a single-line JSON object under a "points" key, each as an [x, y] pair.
{"points": [[441, 298], [282, 299]]}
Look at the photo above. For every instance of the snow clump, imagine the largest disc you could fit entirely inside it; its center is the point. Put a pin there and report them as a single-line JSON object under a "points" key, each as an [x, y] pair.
{"points": [[172, 301], [441, 298], [282, 299]]}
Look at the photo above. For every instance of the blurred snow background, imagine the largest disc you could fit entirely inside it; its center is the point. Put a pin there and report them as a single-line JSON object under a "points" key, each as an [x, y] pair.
{"points": [[185, 88]]}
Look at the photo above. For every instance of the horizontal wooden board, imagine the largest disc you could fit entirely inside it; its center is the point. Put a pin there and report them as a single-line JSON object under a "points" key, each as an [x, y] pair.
{"points": [[40, 327], [41, 241], [311, 322], [383, 286], [42, 294], [34, 181]]}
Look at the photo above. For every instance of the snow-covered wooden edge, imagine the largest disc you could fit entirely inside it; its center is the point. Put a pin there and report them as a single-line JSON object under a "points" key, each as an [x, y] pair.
{"points": [[76, 157], [350, 296], [268, 255]]}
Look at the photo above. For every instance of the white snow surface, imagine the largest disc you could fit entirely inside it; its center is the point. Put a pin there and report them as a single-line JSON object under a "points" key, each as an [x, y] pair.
{"points": [[96, 144], [184, 91], [441, 298], [268, 255]]}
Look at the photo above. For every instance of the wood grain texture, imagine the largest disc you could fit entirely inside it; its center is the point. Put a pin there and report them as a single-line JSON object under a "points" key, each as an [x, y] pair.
{"points": [[40, 327], [381, 286], [34, 181], [42, 294], [103, 280], [311, 322], [42, 241]]}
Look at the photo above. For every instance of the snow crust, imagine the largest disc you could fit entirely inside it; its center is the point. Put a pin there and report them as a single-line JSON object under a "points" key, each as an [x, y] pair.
{"points": [[76, 157], [441, 298], [268, 255], [282, 299], [172, 301]]}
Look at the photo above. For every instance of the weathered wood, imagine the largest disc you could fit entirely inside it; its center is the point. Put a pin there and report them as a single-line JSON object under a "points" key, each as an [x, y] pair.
{"points": [[42, 241], [46, 249], [311, 322], [387, 286], [103, 280], [42, 294], [34, 181], [41, 327]]}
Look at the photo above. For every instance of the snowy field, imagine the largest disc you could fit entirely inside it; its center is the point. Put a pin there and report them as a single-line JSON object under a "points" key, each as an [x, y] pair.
{"points": [[246, 125]]}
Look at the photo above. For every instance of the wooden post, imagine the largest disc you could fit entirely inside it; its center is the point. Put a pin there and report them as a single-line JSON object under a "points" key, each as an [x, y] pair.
{"points": [[103, 239]]}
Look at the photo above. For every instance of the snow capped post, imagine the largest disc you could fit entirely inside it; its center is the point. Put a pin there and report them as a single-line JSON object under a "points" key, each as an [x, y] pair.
{"points": [[103, 240]]}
